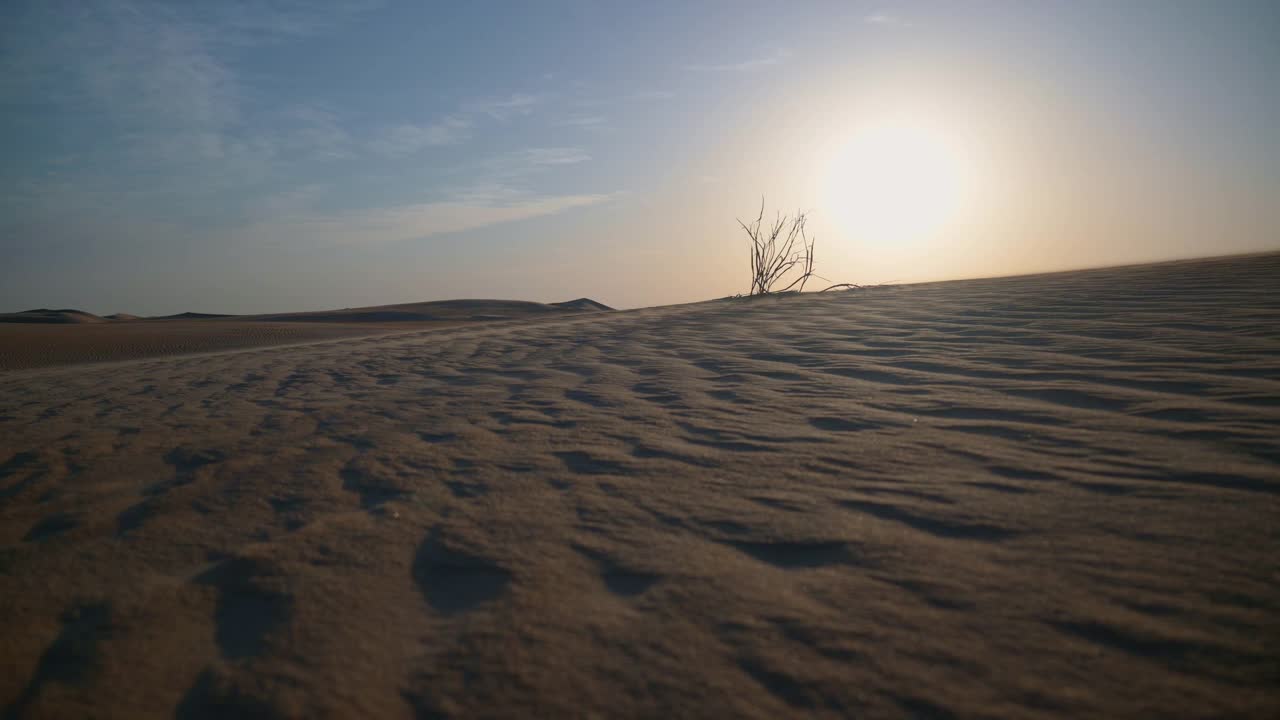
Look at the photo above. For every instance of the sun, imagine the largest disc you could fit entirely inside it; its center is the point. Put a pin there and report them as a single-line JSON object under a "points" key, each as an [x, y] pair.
{"points": [[899, 182]]}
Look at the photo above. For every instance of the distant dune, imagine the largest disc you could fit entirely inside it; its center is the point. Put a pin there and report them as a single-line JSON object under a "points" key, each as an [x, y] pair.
{"points": [[434, 311], [440, 311], [53, 317], [191, 316], [1039, 497], [582, 304], [43, 337]]}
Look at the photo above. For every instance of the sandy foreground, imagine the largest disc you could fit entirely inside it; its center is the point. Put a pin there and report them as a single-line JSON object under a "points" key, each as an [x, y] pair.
{"points": [[30, 346], [1050, 496]]}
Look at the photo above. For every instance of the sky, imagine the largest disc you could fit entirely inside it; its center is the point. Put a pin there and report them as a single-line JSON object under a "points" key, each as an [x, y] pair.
{"points": [[283, 156]]}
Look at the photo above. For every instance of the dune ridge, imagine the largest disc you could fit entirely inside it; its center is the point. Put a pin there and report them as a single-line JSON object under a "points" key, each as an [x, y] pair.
{"points": [[430, 310], [45, 315], [1013, 498], [45, 337], [442, 310]]}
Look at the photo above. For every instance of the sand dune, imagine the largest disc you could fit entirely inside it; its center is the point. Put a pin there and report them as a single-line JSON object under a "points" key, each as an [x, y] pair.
{"points": [[582, 304], [442, 311], [433, 311], [44, 337], [43, 345], [193, 316], [56, 317], [1051, 496]]}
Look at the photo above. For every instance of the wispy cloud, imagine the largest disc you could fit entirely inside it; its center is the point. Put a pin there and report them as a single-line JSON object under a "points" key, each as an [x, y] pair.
{"points": [[757, 63], [521, 165], [649, 96], [255, 22], [886, 19], [503, 108], [491, 191], [404, 140], [640, 96], [145, 67], [164, 78], [408, 139], [316, 132], [553, 156], [160, 73], [582, 121], [292, 202], [469, 211]]}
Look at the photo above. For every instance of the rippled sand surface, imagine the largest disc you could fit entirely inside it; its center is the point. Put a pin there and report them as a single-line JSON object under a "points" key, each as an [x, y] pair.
{"points": [[1049, 496], [35, 345]]}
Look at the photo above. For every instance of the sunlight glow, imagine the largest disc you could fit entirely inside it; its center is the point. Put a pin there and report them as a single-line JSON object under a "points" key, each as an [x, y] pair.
{"points": [[898, 182]]}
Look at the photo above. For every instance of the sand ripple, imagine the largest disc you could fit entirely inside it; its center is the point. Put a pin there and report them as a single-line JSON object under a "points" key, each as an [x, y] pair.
{"points": [[1031, 497]]}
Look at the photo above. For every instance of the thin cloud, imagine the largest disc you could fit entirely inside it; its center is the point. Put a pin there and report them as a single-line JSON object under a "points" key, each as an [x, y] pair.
{"points": [[553, 156], [513, 167], [258, 22], [642, 96], [316, 132], [147, 68], [649, 96], [503, 108], [777, 58], [151, 62], [164, 76], [160, 72], [151, 72], [416, 221], [582, 121], [405, 140], [291, 202], [886, 20], [408, 139]]}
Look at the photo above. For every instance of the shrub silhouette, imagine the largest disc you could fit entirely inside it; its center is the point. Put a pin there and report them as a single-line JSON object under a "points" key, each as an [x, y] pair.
{"points": [[779, 250]]}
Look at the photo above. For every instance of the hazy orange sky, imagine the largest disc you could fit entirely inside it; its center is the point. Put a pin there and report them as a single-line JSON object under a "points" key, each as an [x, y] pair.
{"points": [[258, 156]]}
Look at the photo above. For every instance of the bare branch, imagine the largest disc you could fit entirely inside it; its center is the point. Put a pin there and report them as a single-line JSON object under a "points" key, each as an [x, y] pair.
{"points": [[779, 251]]}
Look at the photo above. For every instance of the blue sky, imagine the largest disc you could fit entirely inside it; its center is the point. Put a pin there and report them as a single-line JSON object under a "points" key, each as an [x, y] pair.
{"points": [[273, 156]]}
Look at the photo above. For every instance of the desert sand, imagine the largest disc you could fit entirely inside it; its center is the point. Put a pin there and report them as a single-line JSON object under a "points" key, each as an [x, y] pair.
{"points": [[41, 338], [1044, 496]]}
